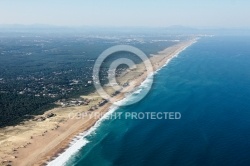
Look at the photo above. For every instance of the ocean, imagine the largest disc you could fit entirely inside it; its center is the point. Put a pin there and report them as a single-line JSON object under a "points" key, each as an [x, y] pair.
{"points": [[209, 85]]}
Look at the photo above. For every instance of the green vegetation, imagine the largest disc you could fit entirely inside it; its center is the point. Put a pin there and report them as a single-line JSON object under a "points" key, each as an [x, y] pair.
{"points": [[36, 70]]}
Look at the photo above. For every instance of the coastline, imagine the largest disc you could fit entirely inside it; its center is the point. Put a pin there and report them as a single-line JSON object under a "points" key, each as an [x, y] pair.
{"points": [[52, 143]]}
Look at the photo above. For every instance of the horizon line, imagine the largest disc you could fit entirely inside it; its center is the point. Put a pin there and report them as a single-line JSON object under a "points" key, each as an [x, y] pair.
{"points": [[38, 25]]}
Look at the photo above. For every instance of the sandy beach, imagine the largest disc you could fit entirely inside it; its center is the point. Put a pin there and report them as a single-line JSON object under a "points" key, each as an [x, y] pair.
{"points": [[36, 143]]}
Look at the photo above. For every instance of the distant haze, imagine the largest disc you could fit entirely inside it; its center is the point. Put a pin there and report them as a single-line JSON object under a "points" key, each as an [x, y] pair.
{"points": [[151, 13]]}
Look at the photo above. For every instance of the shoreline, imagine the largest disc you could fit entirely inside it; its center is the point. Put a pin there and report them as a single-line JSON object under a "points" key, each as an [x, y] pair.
{"points": [[53, 143], [58, 159]]}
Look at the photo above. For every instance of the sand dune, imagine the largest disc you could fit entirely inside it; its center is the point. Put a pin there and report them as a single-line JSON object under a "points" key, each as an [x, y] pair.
{"points": [[35, 143]]}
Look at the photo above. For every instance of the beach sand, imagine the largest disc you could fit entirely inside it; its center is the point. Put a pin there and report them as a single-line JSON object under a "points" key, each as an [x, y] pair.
{"points": [[35, 143]]}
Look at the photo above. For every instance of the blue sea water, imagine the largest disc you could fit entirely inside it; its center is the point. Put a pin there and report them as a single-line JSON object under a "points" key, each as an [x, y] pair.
{"points": [[209, 84]]}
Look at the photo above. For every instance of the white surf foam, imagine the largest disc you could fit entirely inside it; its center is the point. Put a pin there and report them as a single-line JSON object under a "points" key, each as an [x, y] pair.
{"points": [[140, 90], [79, 141]]}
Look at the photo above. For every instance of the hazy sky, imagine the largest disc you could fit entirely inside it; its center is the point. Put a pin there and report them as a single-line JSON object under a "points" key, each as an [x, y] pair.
{"points": [[159, 13]]}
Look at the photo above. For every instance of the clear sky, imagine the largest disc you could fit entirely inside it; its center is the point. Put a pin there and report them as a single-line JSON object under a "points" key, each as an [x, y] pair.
{"points": [[155, 13]]}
